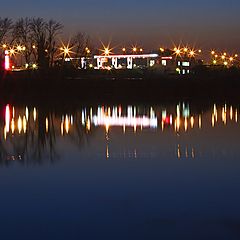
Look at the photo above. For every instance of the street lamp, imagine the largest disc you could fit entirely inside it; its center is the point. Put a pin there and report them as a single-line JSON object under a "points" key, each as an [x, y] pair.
{"points": [[161, 50], [106, 51]]}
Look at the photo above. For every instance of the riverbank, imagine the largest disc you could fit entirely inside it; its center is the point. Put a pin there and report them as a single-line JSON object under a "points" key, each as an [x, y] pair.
{"points": [[125, 86]]}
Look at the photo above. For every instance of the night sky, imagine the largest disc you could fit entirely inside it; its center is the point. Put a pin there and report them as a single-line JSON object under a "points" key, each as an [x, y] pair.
{"points": [[150, 24]]}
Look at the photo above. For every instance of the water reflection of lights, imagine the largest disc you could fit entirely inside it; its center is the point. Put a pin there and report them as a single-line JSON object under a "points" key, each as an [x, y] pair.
{"points": [[114, 118], [186, 153]]}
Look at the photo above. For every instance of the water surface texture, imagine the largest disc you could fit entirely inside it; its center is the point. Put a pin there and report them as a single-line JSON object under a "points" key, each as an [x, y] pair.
{"points": [[120, 172]]}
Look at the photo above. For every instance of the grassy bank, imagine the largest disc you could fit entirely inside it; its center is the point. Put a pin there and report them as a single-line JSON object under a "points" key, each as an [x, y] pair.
{"points": [[134, 86]]}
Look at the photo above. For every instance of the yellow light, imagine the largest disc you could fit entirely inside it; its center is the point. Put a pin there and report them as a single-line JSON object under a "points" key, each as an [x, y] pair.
{"points": [[192, 122], [34, 66], [12, 51], [178, 51], [231, 59], [4, 45], [88, 51], [19, 124], [134, 49], [24, 123], [34, 114], [106, 51], [141, 49], [12, 126], [33, 46], [225, 63], [236, 55], [66, 50], [214, 62], [23, 48], [185, 49], [86, 48], [46, 124], [192, 53], [200, 50], [216, 56], [161, 49], [225, 54], [124, 49], [223, 57], [212, 52]]}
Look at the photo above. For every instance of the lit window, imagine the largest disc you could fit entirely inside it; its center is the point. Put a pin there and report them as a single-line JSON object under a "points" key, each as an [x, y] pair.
{"points": [[185, 64], [152, 62], [164, 62]]}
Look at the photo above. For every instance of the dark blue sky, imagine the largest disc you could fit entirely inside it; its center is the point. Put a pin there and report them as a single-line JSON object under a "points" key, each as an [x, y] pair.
{"points": [[205, 23]]}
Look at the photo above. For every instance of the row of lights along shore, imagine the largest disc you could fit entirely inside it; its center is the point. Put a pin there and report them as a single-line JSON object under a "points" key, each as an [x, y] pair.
{"points": [[216, 57]]}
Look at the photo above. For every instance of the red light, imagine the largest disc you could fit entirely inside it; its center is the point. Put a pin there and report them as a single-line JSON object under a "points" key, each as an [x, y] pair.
{"points": [[7, 61]]}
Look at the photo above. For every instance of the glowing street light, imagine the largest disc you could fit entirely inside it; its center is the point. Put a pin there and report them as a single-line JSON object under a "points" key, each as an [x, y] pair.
{"points": [[177, 51], [161, 49], [106, 51], [34, 66], [134, 49], [19, 48], [141, 50], [192, 53], [223, 57], [212, 52], [66, 51], [124, 49], [4, 46], [12, 51]]}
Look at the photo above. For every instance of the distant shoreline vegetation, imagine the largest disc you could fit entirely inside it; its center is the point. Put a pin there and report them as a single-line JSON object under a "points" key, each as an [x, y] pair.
{"points": [[35, 43]]}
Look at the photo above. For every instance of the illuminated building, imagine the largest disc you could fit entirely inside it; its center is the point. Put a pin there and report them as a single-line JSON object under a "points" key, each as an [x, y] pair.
{"points": [[124, 61]]}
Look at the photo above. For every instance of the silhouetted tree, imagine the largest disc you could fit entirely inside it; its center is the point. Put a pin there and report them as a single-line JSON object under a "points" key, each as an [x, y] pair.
{"points": [[82, 45], [53, 29], [38, 28], [5, 28], [23, 35]]}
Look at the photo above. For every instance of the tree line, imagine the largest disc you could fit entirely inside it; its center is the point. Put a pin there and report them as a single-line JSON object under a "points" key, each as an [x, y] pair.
{"points": [[41, 40]]}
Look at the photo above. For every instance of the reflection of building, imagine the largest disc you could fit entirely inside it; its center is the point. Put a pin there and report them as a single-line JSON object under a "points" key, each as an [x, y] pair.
{"points": [[31, 134]]}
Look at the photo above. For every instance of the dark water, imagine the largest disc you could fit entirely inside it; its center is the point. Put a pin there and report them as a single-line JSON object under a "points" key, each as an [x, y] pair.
{"points": [[120, 172]]}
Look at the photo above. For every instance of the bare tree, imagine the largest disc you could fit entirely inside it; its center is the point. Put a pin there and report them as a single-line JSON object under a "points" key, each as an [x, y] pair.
{"points": [[82, 45], [5, 28], [38, 28], [23, 35], [53, 29]]}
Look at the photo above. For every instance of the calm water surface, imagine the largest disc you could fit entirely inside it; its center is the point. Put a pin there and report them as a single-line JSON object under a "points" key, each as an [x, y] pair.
{"points": [[120, 172]]}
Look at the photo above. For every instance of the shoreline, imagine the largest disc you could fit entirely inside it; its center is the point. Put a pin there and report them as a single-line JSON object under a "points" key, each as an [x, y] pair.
{"points": [[114, 87]]}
